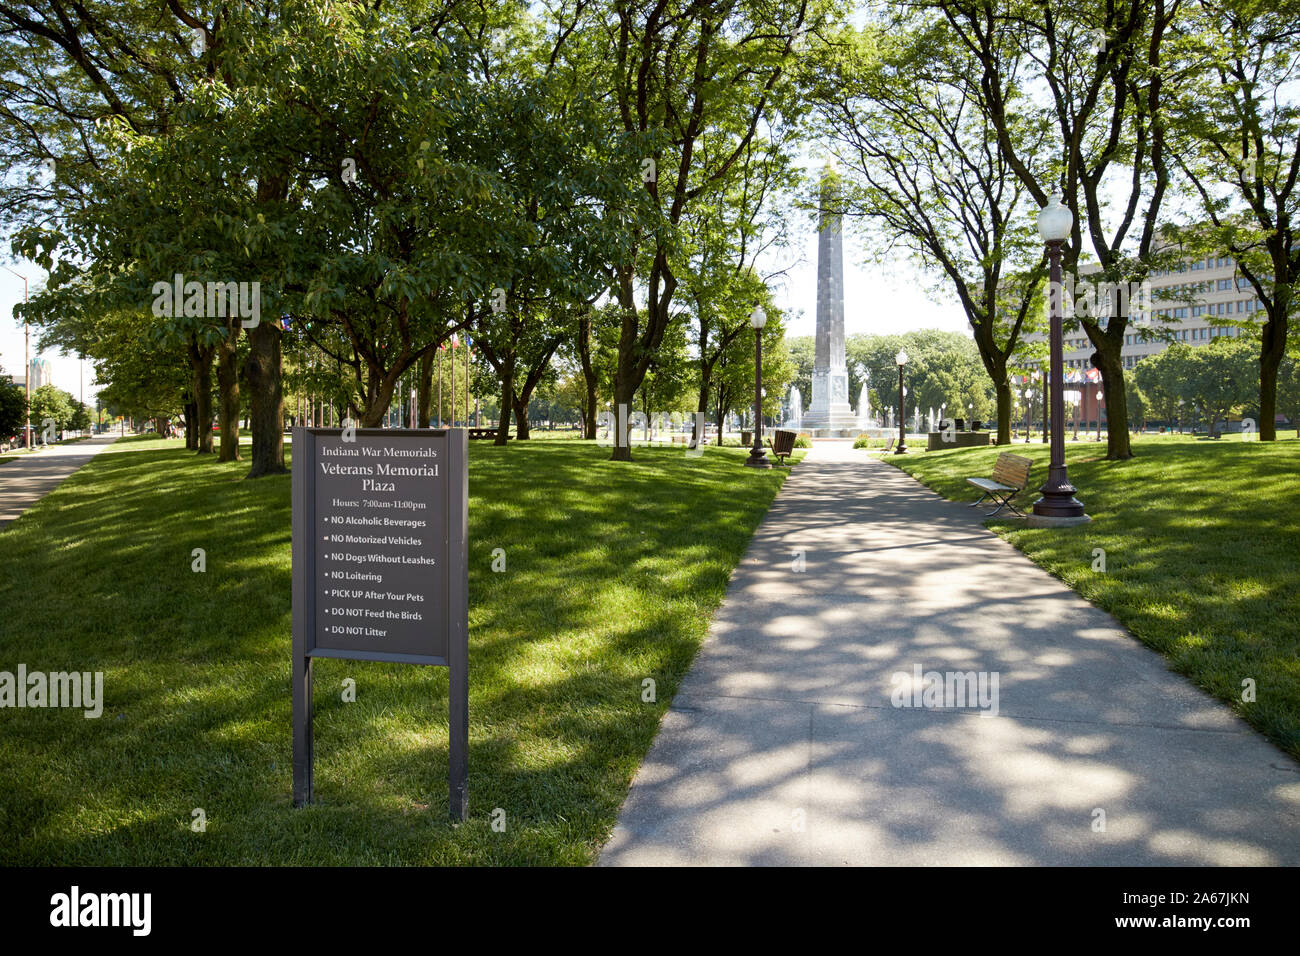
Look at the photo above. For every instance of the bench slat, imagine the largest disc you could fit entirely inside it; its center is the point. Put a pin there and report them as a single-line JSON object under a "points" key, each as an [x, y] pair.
{"points": [[1012, 470], [988, 485]]}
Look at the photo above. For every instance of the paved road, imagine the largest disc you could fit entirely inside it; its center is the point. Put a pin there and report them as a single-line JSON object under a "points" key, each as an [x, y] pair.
{"points": [[783, 745], [27, 479]]}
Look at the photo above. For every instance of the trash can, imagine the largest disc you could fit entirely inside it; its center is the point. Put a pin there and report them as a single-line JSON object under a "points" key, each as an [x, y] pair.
{"points": [[747, 438]]}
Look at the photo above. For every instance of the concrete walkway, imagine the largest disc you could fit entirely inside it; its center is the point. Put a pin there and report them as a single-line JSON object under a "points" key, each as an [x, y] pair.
{"points": [[783, 746], [27, 479]]}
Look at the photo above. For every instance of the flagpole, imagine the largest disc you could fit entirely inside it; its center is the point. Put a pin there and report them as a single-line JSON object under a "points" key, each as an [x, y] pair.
{"points": [[452, 423], [440, 385]]}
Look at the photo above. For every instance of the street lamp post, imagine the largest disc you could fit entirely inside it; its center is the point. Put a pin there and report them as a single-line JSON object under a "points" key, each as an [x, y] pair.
{"points": [[1180, 416], [1045, 409], [757, 458], [1099, 394], [1058, 500], [1029, 401], [901, 359]]}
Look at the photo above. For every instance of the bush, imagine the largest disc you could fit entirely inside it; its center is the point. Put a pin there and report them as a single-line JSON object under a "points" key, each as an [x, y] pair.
{"points": [[803, 440], [862, 441]]}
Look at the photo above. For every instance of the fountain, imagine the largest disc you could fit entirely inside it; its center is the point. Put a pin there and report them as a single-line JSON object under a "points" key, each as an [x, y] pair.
{"points": [[864, 408], [795, 421]]}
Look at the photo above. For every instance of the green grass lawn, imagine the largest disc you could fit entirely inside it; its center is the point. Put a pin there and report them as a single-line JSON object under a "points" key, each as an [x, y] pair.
{"points": [[1202, 554], [612, 574]]}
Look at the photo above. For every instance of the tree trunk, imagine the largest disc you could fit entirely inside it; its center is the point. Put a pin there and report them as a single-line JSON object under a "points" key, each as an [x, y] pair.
{"points": [[521, 418], [201, 366], [624, 396], [706, 375], [588, 376], [228, 392], [507, 401], [425, 389], [191, 426], [1118, 447], [532, 377], [1004, 412], [589, 415], [379, 396], [264, 373], [1268, 366]]}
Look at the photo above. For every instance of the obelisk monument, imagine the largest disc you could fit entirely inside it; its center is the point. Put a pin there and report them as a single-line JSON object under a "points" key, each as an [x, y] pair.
{"points": [[829, 411]]}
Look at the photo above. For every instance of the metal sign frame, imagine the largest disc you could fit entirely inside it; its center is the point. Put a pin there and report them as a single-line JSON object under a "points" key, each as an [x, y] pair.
{"points": [[453, 553]]}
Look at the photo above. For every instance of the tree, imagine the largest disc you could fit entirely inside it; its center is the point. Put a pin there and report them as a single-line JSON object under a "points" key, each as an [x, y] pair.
{"points": [[571, 396], [77, 79], [680, 71], [902, 99], [725, 238], [13, 409], [1288, 389], [1164, 378], [1101, 68], [1137, 406], [733, 379], [802, 351], [52, 408], [943, 369], [1223, 378], [1236, 137], [595, 349]]}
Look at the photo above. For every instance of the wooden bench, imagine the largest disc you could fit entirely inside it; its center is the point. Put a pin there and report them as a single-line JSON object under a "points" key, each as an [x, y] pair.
{"points": [[1010, 475], [484, 434], [782, 443]]}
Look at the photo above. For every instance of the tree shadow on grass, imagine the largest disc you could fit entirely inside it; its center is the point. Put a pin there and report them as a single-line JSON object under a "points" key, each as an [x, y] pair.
{"points": [[613, 571]]}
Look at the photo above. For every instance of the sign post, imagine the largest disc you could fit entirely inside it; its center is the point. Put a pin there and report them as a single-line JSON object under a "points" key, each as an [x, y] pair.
{"points": [[380, 569]]}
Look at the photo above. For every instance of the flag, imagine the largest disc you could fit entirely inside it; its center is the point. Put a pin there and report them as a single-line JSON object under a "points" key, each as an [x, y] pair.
{"points": [[454, 343]]}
